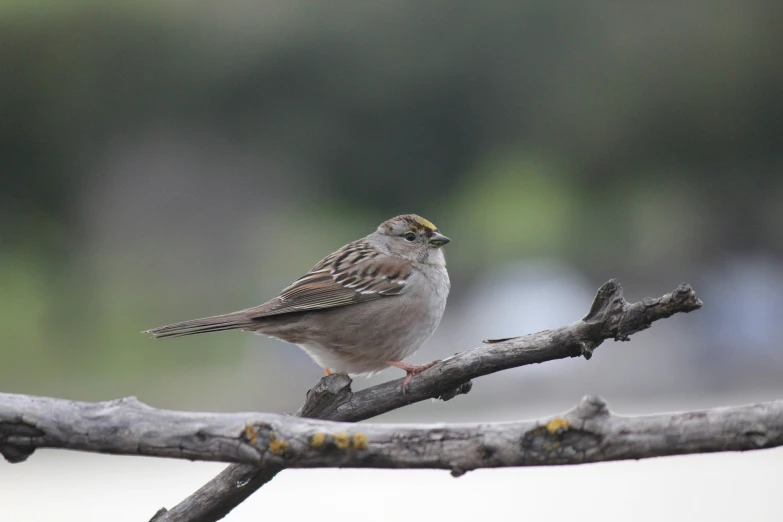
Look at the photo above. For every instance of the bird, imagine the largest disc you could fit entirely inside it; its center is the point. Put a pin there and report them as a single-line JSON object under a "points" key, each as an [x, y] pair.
{"points": [[367, 306]]}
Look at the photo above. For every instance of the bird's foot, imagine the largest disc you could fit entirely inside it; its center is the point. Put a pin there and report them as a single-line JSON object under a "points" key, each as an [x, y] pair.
{"points": [[410, 370]]}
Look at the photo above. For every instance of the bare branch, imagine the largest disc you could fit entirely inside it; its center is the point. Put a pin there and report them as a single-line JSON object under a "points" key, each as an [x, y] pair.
{"points": [[587, 433], [610, 317], [215, 499]]}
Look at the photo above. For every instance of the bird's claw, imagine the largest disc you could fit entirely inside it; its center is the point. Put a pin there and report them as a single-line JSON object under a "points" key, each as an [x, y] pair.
{"points": [[410, 371]]}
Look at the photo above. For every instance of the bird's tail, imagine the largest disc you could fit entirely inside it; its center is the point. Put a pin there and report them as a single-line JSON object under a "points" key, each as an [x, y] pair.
{"points": [[218, 323]]}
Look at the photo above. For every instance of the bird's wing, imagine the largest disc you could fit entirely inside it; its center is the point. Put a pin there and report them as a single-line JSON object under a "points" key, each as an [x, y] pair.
{"points": [[354, 274]]}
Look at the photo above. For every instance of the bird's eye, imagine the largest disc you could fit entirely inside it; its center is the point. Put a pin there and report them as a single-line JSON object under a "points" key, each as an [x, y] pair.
{"points": [[410, 236]]}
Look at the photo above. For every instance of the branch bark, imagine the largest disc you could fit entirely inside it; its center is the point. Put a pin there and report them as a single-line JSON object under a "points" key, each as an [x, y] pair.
{"points": [[610, 317], [587, 433]]}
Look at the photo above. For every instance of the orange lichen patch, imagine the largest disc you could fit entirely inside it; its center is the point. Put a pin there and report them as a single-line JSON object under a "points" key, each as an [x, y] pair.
{"points": [[318, 440], [251, 433], [360, 441], [277, 446], [342, 440], [557, 426]]}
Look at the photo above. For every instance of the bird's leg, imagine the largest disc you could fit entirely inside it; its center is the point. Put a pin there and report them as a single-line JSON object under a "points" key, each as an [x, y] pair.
{"points": [[410, 370]]}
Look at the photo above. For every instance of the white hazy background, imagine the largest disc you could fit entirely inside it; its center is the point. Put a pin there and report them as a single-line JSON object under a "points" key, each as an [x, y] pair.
{"points": [[713, 487]]}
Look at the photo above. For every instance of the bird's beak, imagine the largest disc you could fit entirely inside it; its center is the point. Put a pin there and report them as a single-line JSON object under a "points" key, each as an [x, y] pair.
{"points": [[438, 239]]}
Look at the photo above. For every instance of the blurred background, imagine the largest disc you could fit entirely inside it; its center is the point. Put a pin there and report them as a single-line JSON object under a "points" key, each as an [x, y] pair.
{"points": [[161, 161]]}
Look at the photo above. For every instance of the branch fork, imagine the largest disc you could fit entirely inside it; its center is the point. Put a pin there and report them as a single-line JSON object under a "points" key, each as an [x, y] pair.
{"points": [[261, 445]]}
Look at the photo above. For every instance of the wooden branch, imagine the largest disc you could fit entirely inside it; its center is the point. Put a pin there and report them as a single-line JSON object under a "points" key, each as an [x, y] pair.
{"points": [[215, 499], [610, 317], [587, 433]]}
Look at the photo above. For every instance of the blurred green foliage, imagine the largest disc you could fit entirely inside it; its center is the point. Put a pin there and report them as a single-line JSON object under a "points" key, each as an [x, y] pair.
{"points": [[516, 206], [625, 138]]}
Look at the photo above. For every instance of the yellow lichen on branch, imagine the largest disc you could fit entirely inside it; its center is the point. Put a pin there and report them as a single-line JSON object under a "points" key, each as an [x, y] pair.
{"points": [[277, 446], [557, 426], [360, 441], [251, 433], [318, 440], [342, 440]]}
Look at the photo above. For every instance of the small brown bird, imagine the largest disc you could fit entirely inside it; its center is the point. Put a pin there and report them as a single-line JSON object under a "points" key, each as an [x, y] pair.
{"points": [[366, 307]]}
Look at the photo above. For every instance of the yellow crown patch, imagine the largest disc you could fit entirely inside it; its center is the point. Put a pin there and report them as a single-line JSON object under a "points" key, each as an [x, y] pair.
{"points": [[423, 222]]}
